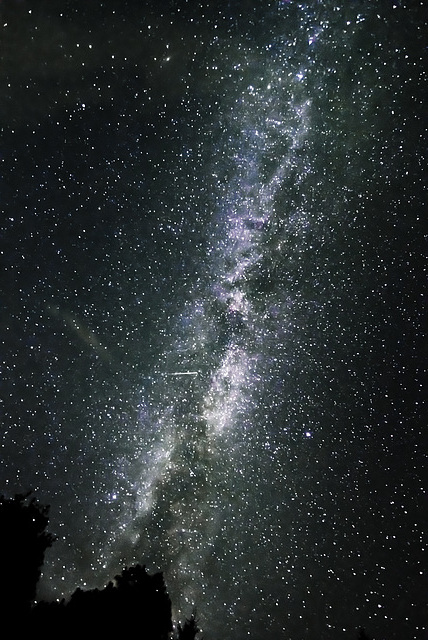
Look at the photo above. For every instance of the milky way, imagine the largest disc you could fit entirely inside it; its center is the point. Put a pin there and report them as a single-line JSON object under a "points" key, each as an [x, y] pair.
{"points": [[212, 326]]}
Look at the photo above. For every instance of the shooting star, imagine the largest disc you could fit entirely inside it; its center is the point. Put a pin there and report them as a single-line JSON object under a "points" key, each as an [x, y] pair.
{"points": [[182, 373]]}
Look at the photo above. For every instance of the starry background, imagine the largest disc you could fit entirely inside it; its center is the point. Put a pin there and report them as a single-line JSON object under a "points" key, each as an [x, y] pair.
{"points": [[212, 304]]}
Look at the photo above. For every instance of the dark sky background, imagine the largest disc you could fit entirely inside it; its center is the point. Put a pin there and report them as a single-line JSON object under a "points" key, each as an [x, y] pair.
{"points": [[213, 289]]}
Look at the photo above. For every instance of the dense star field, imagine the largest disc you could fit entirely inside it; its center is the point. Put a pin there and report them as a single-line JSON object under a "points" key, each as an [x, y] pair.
{"points": [[212, 304]]}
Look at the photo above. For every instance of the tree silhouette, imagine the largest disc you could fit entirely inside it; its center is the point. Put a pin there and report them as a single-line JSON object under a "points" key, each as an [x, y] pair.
{"points": [[190, 628], [23, 542], [134, 600], [135, 597]]}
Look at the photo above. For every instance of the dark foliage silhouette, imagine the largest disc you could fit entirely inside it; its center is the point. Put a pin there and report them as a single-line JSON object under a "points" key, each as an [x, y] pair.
{"points": [[133, 600], [133, 597], [189, 630], [23, 542]]}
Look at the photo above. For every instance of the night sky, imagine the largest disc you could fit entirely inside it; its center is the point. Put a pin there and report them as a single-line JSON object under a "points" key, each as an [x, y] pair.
{"points": [[212, 329]]}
